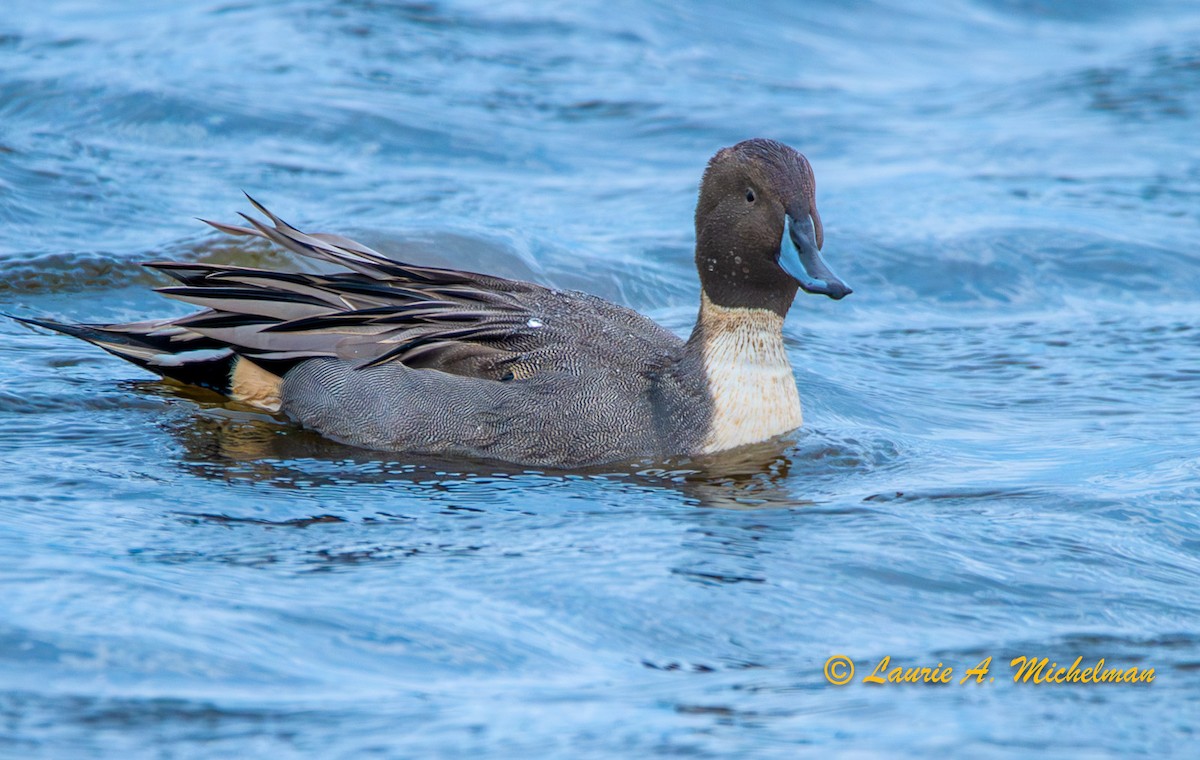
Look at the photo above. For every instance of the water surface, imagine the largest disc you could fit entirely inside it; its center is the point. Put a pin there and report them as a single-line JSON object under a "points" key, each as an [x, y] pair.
{"points": [[1001, 454]]}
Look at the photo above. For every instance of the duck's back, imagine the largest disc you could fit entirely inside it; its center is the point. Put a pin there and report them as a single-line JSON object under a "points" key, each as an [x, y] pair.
{"points": [[588, 382]]}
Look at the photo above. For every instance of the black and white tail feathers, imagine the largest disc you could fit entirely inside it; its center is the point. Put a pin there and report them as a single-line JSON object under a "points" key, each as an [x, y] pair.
{"points": [[159, 346]]}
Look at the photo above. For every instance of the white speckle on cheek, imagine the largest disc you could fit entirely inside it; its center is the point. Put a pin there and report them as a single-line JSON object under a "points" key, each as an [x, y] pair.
{"points": [[534, 322]]}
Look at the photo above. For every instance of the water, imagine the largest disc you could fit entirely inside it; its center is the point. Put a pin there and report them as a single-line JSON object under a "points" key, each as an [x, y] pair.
{"points": [[1001, 450]]}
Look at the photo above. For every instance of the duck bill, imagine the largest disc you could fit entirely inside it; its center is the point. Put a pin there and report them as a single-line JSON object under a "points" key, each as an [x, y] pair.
{"points": [[799, 257]]}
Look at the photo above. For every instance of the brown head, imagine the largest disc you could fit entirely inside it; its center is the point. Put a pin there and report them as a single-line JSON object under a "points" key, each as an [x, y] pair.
{"points": [[758, 233]]}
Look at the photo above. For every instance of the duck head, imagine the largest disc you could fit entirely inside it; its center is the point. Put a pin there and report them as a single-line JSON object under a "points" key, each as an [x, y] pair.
{"points": [[758, 233]]}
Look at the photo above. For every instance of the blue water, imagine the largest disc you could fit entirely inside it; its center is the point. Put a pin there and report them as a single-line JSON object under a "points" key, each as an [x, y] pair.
{"points": [[1002, 446]]}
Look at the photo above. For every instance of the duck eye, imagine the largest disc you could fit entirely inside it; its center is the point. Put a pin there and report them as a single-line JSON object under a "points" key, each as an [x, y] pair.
{"points": [[749, 196]]}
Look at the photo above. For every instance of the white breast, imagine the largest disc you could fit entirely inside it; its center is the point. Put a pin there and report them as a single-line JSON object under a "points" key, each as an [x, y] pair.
{"points": [[749, 376]]}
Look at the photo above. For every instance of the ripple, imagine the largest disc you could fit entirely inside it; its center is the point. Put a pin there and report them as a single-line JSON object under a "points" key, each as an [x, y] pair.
{"points": [[1000, 451]]}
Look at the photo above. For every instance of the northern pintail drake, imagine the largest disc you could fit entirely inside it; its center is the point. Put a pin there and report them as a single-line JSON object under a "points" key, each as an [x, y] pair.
{"points": [[399, 357]]}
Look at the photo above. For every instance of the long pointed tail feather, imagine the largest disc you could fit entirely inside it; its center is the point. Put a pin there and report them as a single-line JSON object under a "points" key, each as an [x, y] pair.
{"points": [[158, 346]]}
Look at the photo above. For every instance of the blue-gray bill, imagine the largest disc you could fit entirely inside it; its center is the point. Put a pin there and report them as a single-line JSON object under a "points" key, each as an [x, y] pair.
{"points": [[799, 257]]}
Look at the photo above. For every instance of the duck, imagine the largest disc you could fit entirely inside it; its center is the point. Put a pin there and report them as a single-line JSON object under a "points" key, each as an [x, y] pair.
{"points": [[392, 356]]}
